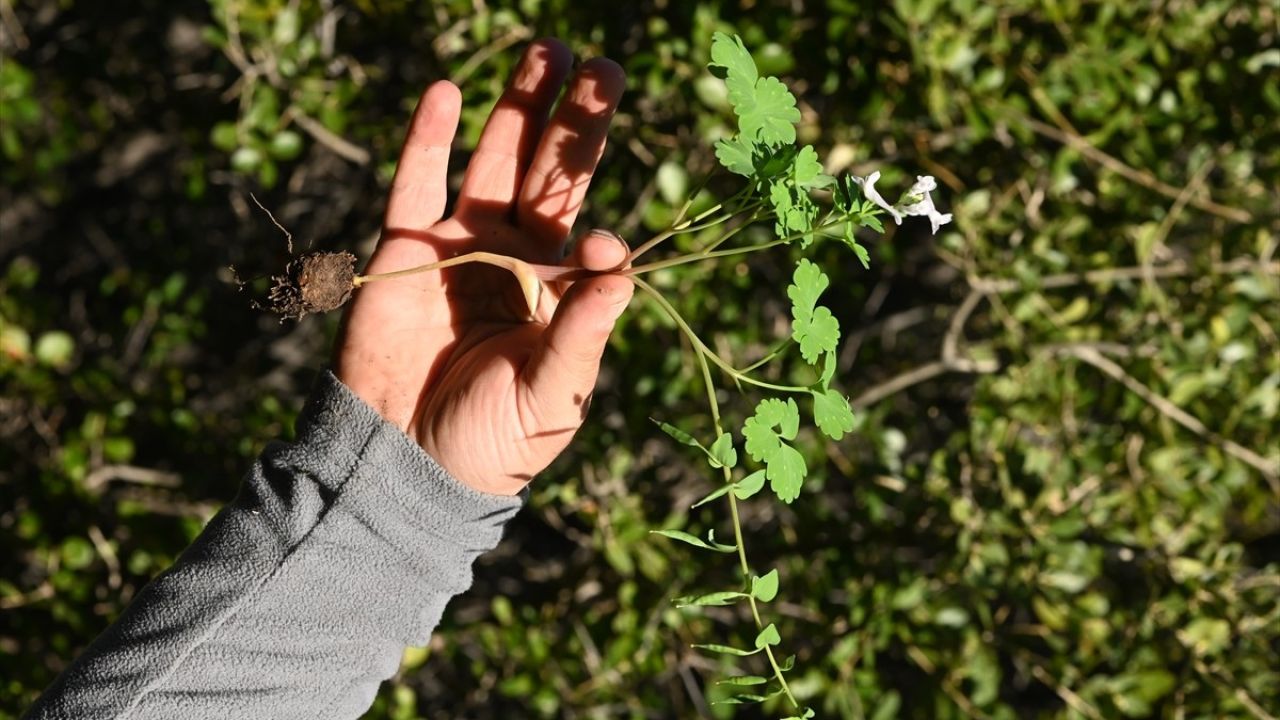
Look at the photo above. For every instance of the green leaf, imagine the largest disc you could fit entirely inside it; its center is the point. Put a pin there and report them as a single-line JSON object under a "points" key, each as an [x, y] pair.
{"points": [[77, 553], [768, 115], [735, 155], [774, 421], [731, 61], [767, 636], [722, 452], [225, 136], [829, 362], [695, 541], [749, 485], [55, 348], [816, 334], [807, 170], [765, 588], [715, 494], [766, 109], [679, 435], [740, 700], [794, 212], [287, 26], [715, 598], [285, 145], [888, 707], [786, 471], [787, 664], [831, 413], [807, 284], [812, 326], [672, 181], [864, 257], [740, 680], [775, 162], [246, 159], [727, 650]]}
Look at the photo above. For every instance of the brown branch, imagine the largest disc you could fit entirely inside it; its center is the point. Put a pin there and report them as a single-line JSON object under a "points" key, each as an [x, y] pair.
{"points": [[98, 478], [1143, 178], [1109, 275], [1270, 470], [923, 373], [341, 146]]}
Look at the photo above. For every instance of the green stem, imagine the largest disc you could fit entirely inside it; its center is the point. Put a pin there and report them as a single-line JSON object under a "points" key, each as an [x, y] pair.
{"points": [[714, 405], [701, 348], [697, 256], [681, 224]]}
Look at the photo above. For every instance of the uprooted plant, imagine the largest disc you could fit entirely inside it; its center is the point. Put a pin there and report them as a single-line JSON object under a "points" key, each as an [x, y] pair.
{"points": [[782, 183]]}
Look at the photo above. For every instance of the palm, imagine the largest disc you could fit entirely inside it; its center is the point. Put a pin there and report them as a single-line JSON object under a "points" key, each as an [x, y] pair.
{"points": [[452, 357]]}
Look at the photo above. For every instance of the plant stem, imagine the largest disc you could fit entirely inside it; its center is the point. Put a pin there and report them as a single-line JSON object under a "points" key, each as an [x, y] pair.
{"points": [[701, 348], [714, 405], [681, 224], [700, 255]]}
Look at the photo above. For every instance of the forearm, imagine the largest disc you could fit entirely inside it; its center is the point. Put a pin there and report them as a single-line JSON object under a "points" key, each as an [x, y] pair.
{"points": [[297, 600]]}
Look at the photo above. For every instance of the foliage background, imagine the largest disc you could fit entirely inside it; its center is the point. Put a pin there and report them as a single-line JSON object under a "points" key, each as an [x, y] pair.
{"points": [[1056, 503]]}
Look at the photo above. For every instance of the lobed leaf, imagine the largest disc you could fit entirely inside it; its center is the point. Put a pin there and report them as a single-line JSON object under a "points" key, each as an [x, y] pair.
{"points": [[816, 334], [832, 413], [786, 470], [769, 114], [813, 327], [731, 61], [773, 422], [736, 156], [807, 170], [808, 282]]}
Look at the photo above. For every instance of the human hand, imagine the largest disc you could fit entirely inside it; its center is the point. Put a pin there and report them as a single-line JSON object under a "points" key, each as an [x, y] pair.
{"points": [[452, 357]]}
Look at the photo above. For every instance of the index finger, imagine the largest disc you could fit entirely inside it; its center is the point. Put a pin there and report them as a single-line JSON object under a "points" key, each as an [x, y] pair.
{"points": [[570, 148]]}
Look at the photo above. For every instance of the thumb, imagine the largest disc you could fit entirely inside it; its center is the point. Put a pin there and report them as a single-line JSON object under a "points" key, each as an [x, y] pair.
{"points": [[561, 372]]}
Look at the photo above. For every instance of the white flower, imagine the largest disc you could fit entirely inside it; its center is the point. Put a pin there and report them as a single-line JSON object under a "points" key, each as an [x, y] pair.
{"points": [[868, 185], [917, 201]]}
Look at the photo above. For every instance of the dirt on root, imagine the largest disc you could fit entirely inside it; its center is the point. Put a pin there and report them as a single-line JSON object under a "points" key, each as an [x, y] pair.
{"points": [[316, 282]]}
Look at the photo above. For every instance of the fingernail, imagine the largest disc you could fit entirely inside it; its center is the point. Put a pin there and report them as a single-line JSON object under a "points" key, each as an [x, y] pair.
{"points": [[610, 234]]}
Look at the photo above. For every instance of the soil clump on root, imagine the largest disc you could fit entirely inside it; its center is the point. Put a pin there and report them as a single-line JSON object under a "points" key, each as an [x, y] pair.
{"points": [[316, 282]]}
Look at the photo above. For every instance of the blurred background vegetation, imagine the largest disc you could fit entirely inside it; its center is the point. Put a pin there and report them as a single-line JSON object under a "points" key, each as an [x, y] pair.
{"points": [[1061, 499]]}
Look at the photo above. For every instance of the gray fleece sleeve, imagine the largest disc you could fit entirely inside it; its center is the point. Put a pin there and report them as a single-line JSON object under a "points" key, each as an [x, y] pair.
{"points": [[297, 600]]}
